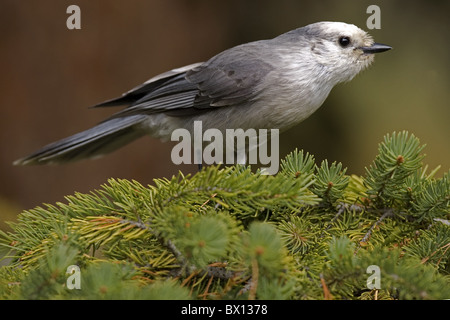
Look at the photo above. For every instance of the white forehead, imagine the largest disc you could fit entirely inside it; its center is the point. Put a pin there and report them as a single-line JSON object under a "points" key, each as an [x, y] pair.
{"points": [[328, 27]]}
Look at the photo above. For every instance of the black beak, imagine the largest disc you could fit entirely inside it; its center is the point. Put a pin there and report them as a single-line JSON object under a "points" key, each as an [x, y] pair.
{"points": [[375, 48]]}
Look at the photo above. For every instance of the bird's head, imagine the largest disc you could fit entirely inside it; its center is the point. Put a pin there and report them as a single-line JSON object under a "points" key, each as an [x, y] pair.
{"points": [[342, 49]]}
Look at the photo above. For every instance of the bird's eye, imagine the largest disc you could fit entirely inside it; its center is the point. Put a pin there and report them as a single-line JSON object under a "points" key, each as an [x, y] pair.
{"points": [[344, 41]]}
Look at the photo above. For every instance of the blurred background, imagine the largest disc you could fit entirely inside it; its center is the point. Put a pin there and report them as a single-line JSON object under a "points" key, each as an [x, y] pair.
{"points": [[51, 75]]}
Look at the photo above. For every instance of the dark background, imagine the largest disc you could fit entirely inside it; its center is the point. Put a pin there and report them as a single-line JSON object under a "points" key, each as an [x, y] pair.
{"points": [[51, 75]]}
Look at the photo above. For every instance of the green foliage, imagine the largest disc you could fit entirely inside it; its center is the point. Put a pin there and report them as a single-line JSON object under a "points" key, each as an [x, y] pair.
{"points": [[330, 183], [309, 232], [398, 157]]}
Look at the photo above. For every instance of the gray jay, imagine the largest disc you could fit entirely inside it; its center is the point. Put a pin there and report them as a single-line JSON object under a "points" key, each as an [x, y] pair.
{"points": [[272, 84]]}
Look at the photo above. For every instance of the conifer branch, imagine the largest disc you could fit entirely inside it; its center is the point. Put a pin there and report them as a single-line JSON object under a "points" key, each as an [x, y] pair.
{"points": [[309, 232]]}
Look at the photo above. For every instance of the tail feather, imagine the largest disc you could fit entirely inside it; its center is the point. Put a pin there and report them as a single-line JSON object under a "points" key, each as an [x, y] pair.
{"points": [[95, 142]]}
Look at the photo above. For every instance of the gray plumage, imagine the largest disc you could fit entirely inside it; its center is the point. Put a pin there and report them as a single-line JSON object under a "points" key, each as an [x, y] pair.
{"points": [[274, 83]]}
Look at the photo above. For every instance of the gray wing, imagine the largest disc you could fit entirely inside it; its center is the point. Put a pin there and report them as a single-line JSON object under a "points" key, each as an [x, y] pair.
{"points": [[227, 79], [140, 92], [230, 78]]}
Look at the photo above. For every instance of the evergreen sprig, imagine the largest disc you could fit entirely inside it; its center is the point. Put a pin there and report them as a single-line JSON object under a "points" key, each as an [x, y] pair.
{"points": [[331, 182], [309, 232], [432, 199], [399, 157]]}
